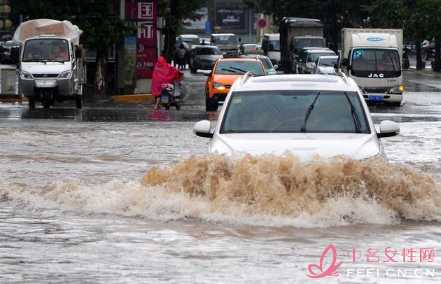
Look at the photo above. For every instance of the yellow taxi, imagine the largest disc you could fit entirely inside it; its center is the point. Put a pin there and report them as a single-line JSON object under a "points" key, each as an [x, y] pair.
{"points": [[223, 75]]}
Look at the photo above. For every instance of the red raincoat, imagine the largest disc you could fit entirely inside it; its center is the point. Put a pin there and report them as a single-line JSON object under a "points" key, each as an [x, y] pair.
{"points": [[163, 73]]}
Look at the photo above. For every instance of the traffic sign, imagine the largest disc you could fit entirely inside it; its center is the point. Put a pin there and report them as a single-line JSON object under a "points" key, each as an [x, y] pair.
{"points": [[262, 23]]}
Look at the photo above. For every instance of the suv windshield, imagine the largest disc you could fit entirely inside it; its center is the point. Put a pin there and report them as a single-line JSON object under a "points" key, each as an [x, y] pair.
{"points": [[314, 56], [295, 112], [225, 40], [47, 50], [191, 41], [308, 42], [207, 51], [365, 62], [328, 62], [231, 67], [266, 63]]}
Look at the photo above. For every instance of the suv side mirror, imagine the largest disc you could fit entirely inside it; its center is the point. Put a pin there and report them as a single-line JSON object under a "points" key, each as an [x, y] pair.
{"points": [[388, 128], [203, 129]]}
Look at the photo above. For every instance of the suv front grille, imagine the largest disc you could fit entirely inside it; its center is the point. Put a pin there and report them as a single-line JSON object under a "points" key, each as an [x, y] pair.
{"points": [[45, 75]]}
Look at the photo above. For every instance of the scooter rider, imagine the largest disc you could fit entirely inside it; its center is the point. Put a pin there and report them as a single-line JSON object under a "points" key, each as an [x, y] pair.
{"points": [[163, 73]]}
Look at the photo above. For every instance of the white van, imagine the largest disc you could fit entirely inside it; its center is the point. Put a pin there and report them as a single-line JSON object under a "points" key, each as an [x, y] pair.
{"points": [[50, 62], [271, 47]]}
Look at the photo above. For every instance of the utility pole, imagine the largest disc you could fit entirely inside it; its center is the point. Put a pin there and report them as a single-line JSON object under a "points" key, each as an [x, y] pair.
{"points": [[211, 5]]}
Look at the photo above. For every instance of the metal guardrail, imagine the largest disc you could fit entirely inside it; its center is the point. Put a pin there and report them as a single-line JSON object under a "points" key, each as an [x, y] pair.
{"points": [[9, 84]]}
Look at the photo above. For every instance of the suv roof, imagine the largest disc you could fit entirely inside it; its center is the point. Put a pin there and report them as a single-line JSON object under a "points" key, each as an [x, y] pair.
{"points": [[189, 36], [239, 59], [328, 57], [204, 46], [317, 49], [296, 82], [226, 34]]}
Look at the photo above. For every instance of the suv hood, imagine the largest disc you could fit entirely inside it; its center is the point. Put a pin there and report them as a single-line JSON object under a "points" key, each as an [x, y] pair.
{"points": [[226, 79], [305, 146]]}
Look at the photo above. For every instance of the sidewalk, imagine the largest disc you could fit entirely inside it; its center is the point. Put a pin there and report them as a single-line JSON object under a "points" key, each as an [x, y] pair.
{"points": [[422, 80]]}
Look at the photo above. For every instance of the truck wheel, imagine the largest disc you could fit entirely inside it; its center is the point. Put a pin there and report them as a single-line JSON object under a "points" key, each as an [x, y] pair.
{"points": [[79, 101], [31, 103]]}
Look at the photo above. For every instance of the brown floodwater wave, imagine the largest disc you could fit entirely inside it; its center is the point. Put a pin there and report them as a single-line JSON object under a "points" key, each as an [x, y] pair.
{"points": [[336, 191], [264, 191]]}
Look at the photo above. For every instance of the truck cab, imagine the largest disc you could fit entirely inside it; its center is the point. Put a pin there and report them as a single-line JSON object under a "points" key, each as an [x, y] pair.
{"points": [[373, 58], [50, 66], [296, 34]]}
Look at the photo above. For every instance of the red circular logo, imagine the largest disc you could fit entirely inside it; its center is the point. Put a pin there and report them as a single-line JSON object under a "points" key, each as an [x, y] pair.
{"points": [[261, 23]]}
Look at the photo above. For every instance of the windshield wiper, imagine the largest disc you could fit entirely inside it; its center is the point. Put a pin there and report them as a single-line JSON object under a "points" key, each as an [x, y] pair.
{"points": [[239, 69], [354, 115], [231, 70], [308, 113]]}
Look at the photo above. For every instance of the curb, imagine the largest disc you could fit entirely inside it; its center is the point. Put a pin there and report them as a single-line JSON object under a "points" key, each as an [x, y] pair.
{"points": [[134, 99]]}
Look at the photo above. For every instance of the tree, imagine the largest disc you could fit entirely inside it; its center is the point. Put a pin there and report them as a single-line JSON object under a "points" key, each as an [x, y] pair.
{"points": [[335, 14], [419, 19], [175, 11]]}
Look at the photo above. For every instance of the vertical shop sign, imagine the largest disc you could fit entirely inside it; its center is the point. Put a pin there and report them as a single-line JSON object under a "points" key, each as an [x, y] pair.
{"points": [[144, 14]]}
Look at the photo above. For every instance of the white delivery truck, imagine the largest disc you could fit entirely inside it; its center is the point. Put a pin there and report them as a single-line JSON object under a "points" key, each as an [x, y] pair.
{"points": [[373, 58], [50, 64]]}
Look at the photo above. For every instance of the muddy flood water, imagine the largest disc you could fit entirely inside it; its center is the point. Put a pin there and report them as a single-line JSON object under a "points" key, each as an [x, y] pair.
{"points": [[141, 202]]}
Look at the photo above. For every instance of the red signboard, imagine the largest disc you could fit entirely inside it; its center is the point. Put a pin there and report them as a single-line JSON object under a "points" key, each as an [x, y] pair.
{"points": [[145, 61], [144, 14]]}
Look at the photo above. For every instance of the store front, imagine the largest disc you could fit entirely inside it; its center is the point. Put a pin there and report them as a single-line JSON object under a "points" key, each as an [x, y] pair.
{"points": [[139, 51]]}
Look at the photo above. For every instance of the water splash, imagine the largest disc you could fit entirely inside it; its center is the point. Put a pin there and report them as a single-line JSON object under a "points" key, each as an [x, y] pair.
{"points": [[344, 190], [267, 190]]}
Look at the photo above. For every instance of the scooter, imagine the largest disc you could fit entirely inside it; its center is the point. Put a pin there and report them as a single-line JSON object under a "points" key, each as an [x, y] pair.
{"points": [[170, 96]]}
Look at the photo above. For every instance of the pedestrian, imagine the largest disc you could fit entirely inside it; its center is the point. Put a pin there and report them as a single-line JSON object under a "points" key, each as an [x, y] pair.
{"points": [[163, 73], [182, 56]]}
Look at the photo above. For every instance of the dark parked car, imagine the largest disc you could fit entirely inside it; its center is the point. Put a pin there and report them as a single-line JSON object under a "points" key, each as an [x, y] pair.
{"points": [[204, 57]]}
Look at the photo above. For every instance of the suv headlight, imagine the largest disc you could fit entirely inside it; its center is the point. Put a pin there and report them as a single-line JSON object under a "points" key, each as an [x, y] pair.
{"points": [[397, 90], [65, 75], [219, 86], [26, 75]]}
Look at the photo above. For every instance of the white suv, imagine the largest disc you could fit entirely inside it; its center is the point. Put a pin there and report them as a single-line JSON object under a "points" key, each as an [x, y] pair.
{"points": [[306, 115]]}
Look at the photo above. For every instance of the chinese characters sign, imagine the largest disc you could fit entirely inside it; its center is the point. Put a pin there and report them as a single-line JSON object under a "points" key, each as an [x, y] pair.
{"points": [[144, 14], [387, 259]]}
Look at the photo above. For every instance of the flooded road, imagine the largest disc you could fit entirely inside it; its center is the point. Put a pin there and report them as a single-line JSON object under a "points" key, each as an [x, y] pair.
{"points": [[75, 208]]}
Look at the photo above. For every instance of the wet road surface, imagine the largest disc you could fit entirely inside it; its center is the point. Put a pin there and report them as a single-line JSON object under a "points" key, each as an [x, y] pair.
{"points": [[74, 209]]}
